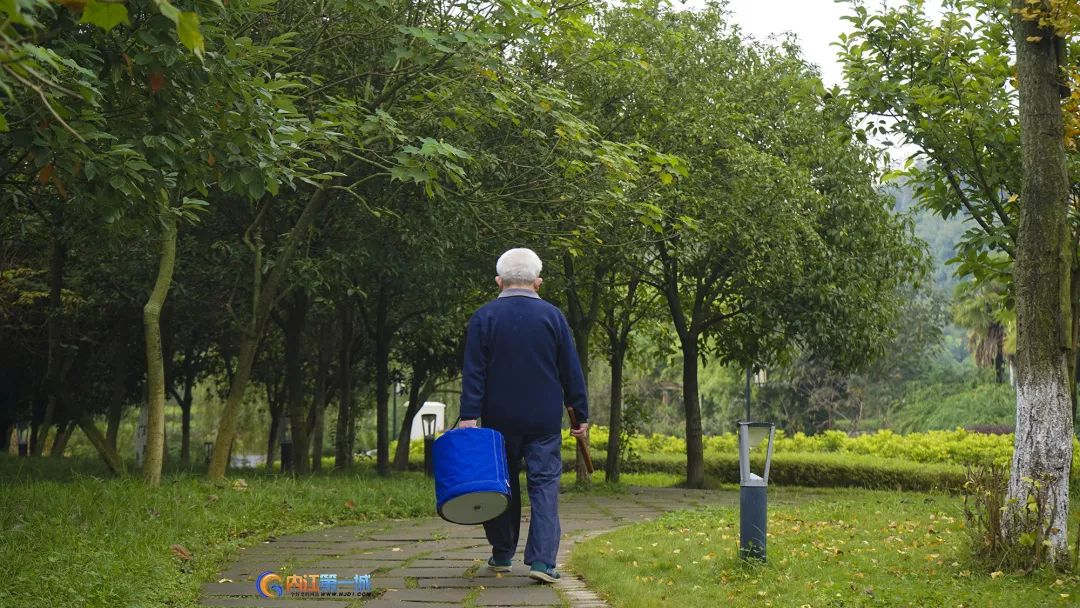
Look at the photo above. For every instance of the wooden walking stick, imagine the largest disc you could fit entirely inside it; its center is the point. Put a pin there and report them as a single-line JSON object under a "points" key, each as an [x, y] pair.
{"points": [[582, 442]]}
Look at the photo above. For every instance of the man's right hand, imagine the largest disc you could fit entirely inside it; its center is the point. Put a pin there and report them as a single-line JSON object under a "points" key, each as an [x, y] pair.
{"points": [[466, 424]]}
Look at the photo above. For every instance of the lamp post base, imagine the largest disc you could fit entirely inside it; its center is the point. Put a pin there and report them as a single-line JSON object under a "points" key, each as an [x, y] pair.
{"points": [[753, 522], [429, 465]]}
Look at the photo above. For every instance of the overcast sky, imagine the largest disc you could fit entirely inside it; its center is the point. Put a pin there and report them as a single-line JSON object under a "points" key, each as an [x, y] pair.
{"points": [[815, 23]]}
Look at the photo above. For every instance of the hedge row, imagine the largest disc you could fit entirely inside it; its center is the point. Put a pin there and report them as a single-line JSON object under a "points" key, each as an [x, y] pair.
{"points": [[958, 447], [808, 470]]}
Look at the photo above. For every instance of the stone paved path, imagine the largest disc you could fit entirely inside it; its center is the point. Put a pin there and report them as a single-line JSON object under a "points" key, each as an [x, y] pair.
{"points": [[428, 563]]}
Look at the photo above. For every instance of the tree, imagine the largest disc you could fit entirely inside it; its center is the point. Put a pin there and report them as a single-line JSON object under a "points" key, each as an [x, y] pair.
{"points": [[1043, 278], [997, 150], [627, 303], [980, 308], [754, 250]]}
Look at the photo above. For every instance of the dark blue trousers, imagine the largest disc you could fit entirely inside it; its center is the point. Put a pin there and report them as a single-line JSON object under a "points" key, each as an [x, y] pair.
{"points": [[543, 469]]}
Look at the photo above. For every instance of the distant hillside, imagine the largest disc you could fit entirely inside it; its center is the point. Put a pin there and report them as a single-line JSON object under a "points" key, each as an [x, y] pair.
{"points": [[940, 235]]}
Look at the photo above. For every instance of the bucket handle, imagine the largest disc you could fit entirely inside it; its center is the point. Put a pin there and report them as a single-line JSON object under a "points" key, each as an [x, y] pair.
{"points": [[458, 419]]}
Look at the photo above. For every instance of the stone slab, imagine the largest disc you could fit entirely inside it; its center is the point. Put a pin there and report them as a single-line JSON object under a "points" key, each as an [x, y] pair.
{"points": [[472, 583], [261, 602], [443, 572], [427, 595], [528, 596], [381, 603]]}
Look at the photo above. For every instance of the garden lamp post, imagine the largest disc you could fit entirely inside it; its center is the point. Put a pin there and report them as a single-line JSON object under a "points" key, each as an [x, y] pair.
{"points": [[753, 503], [208, 449], [286, 447], [396, 389], [428, 422], [22, 437]]}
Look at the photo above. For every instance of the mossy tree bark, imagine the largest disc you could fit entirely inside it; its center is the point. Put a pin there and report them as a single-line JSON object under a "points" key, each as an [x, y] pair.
{"points": [[155, 362], [1043, 266]]}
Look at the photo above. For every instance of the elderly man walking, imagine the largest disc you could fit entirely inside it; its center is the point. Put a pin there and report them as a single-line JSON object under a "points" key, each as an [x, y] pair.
{"points": [[520, 369]]}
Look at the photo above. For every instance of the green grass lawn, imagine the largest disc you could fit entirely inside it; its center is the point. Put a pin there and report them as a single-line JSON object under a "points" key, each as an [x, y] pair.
{"points": [[70, 535], [832, 548]]}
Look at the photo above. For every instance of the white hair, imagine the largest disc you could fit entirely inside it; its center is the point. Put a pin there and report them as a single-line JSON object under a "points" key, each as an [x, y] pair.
{"points": [[519, 266]]}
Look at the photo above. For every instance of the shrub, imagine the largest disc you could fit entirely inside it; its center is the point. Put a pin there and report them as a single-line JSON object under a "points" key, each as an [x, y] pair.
{"points": [[984, 507], [811, 470], [948, 405], [988, 512], [959, 447]]}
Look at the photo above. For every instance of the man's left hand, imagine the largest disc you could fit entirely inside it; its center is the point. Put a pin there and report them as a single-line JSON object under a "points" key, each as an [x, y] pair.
{"points": [[580, 430]]}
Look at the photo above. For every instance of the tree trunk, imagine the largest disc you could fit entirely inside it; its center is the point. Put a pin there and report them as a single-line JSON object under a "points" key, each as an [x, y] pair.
{"points": [[274, 404], [116, 402], [581, 319], [265, 295], [382, 383], [185, 402], [1074, 354], [688, 338], [155, 363], [36, 435], [611, 471], [107, 453], [184, 399], [185, 430], [318, 408], [695, 455], [1042, 277], [57, 257], [401, 454], [581, 342], [63, 433], [294, 382], [422, 386], [342, 446]]}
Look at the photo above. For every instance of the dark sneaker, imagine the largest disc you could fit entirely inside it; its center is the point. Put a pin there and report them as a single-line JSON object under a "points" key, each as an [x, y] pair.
{"points": [[543, 572], [499, 565]]}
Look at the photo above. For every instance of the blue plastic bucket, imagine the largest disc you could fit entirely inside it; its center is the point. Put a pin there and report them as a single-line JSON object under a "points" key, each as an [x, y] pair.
{"points": [[472, 483]]}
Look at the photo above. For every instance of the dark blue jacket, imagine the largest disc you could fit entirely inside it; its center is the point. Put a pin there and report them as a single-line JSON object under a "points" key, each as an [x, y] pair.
{"points": [[521, 367]]}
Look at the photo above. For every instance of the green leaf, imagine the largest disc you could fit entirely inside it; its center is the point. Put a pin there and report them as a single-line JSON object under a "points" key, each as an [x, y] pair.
{"points": [[105, 15], [187, 28], [168, 10], [13, 12]]}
